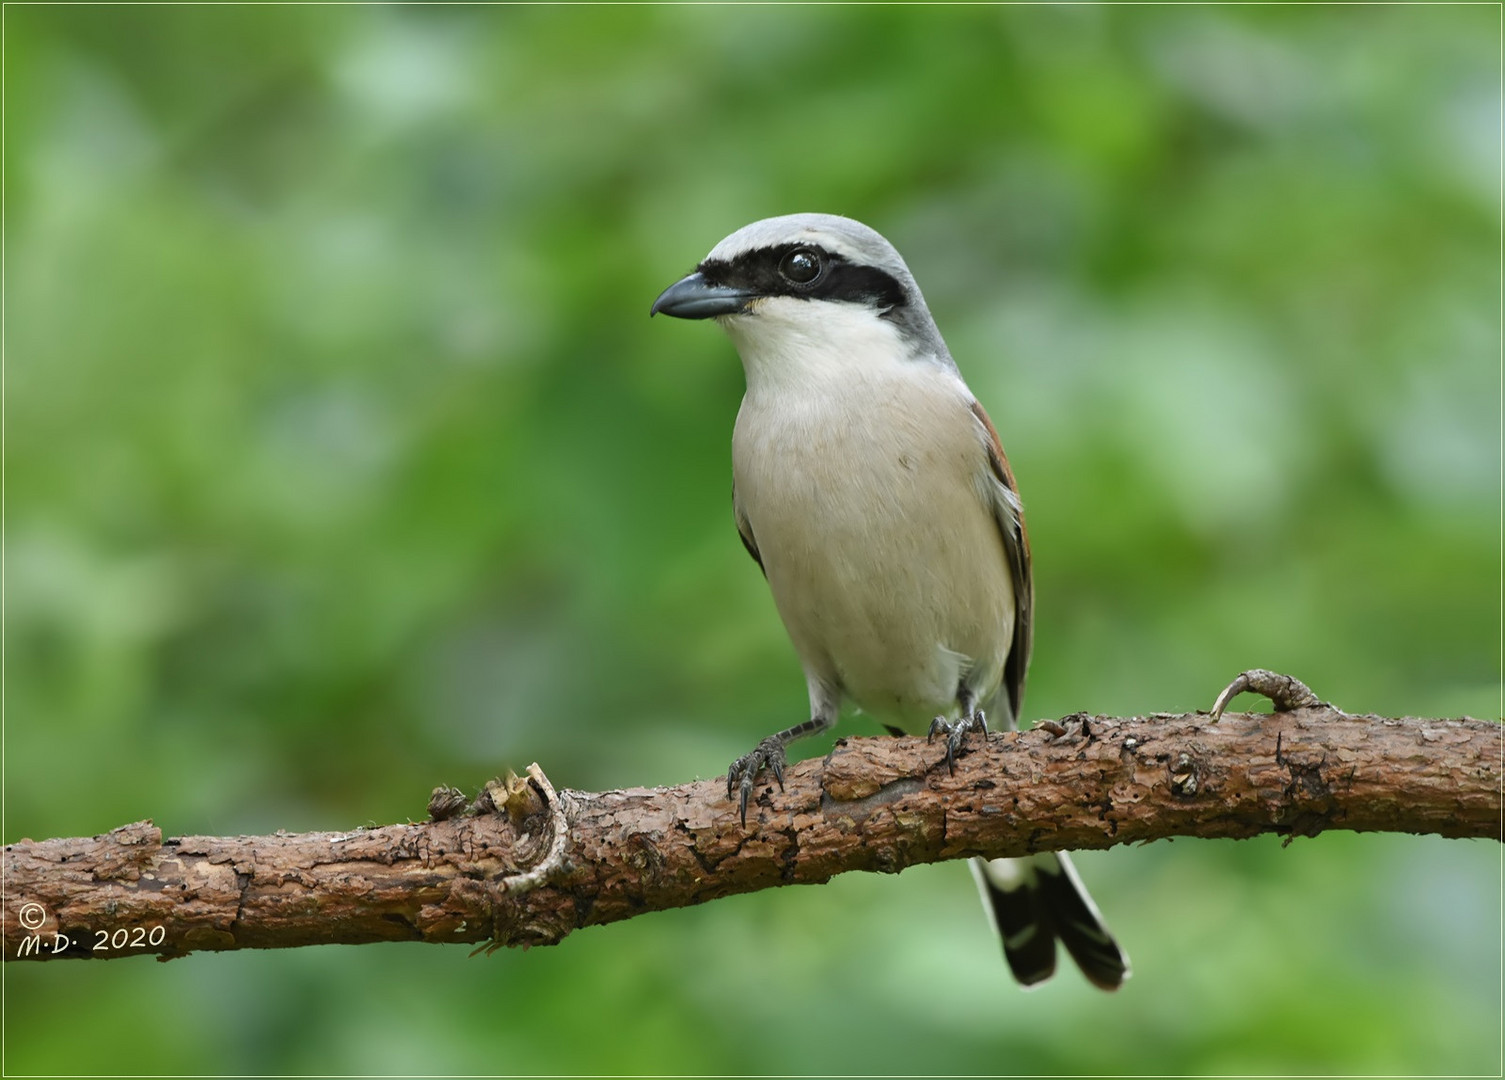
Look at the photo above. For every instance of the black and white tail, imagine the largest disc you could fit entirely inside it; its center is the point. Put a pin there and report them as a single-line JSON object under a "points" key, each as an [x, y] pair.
{"points": [[1036, 901]]}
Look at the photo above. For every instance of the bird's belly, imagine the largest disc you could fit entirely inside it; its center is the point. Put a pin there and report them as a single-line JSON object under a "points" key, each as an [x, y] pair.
{"points": [[885, 563]]}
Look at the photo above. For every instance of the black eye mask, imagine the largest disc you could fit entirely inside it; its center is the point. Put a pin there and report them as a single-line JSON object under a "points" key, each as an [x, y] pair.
{"points": [[775, 271]]}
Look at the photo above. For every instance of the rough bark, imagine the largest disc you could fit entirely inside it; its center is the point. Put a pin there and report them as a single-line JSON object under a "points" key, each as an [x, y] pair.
{"points": [[872, 804]]}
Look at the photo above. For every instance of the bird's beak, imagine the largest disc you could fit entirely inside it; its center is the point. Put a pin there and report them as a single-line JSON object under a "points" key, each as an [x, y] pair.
{"points": [[694, 297]]}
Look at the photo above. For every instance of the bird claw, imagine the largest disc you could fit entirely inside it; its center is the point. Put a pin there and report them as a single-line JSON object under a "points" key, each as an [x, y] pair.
{"points": [[743, 774], [956, 733]]}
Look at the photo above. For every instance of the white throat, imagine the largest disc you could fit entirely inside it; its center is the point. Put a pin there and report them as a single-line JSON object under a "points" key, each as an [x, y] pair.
{"points": [[800, 346]]}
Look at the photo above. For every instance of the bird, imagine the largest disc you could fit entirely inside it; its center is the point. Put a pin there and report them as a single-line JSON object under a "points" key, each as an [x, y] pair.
{"points": [[871, 487]]}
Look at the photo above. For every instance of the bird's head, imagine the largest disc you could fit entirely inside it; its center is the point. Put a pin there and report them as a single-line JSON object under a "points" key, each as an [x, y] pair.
{"points": [[808, 293]]}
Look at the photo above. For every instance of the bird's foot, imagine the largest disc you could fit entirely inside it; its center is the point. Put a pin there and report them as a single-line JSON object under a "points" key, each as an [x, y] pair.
{"points": [[956, 732], [743, 774]]}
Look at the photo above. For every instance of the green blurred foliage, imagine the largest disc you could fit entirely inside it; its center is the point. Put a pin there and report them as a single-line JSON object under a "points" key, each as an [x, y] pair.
{"points": [[343, 461]]}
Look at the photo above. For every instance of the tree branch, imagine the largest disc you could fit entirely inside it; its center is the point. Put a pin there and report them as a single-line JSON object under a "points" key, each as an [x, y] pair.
{"points": [[872, 804]]}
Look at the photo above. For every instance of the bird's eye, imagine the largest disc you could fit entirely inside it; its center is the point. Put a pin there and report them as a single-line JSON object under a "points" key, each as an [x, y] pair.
{"points": [[801, 266]]}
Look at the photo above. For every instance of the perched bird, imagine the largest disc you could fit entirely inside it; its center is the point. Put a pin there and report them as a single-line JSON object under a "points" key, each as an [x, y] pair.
{"points": [[871, 488]]}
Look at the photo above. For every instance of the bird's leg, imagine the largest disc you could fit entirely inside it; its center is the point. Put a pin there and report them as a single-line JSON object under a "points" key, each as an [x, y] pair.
{"points": [[971, 718], [768, 754]]}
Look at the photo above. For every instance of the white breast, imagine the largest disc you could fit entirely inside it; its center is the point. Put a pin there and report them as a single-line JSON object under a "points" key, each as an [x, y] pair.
{"points": [[861, 472]]}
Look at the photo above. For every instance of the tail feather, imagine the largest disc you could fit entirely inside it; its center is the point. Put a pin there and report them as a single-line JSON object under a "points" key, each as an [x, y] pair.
{"points": [[1011, 894], [1036, 900], [1080, 925]]}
